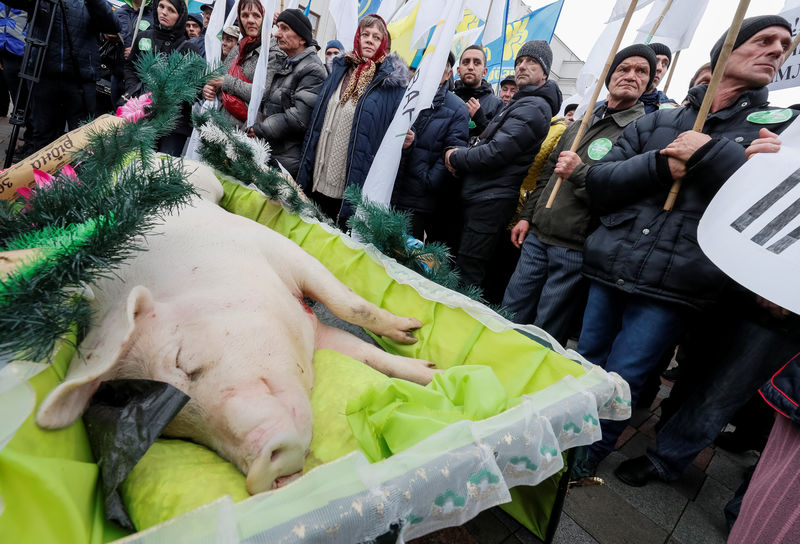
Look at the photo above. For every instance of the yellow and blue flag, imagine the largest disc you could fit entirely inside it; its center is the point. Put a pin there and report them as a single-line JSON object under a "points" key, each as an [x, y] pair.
{"points": [[537, 25]]}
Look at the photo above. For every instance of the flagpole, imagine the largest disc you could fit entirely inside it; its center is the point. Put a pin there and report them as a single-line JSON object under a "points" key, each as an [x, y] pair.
{"points": [[672, 70], [792, 47], [503, 45], [597, 88], [138, 22], [716, 77], [658, 22]]}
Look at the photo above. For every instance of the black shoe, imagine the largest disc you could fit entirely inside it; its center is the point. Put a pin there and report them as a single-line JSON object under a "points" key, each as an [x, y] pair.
{"points": [[636, 472]]}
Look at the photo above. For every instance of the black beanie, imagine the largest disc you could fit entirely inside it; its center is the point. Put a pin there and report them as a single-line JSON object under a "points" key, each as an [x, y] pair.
{"points": [[297, 21], [635, 50], [661, 49], [750, 27]]}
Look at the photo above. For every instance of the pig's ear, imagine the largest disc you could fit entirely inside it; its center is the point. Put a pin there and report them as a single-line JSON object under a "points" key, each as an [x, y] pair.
{"points": [[97, 360]]}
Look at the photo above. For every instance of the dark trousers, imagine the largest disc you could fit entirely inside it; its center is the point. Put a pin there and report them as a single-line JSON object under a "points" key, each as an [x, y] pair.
{"points": [[485, 224], [59, 102], [172, 144]]}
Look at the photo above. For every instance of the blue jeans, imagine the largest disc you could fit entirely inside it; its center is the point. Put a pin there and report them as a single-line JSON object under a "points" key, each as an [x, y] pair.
{"points": [[626, 334], [543, 288], [735, 356]]}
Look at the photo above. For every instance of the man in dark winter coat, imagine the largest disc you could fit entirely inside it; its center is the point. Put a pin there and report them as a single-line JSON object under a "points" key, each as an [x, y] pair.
{"points": [[648, 274], [422, 175], [475, 91], [654, 99], [544, 287], [66, 91], [294, 80], [493, 170]]}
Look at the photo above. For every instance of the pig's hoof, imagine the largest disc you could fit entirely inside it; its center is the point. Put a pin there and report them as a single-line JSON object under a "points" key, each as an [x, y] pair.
{"points": [[403, 331], [423, 371]]}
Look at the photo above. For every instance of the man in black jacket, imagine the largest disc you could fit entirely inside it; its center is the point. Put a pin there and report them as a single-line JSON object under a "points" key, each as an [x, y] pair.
{"points": [[66, 91], [475, 91], [648, 274], [493, 169]]}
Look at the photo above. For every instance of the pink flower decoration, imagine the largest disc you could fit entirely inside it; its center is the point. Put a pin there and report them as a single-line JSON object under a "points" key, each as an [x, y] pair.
{"points": [[25, 192], [133, 110], [42, 179], [68, 171]]}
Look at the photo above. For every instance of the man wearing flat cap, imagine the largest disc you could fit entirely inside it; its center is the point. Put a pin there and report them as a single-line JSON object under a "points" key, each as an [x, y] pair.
{"points": [[294, 79], [492, 171], [648, 277]]}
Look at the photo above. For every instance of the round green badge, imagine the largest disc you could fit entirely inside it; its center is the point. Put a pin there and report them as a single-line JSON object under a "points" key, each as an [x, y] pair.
{"points": [[667, 106], [598, 148], [144, 24], [145, 44], [768, 117]]}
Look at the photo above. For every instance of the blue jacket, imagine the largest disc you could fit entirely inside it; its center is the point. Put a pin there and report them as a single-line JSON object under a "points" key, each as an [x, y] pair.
{"points": [[374, 113], [640, 248], [12, 30], [656, 100], [496, 166], [126, 18], [422, 175], [77, 39]]}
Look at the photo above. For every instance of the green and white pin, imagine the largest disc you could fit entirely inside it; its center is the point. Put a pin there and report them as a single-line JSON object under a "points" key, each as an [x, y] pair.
{"points": [[598, 148], [769, 117]]}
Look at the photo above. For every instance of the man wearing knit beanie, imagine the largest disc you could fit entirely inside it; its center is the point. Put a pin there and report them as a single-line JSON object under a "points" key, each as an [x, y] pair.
{"points": [[297, 74], [492, 171], [294, 31], [654, 99], [649, 279]]}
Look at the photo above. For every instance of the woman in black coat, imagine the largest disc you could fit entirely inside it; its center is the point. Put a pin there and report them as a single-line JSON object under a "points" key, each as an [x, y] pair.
{"points": [[168, 34]]}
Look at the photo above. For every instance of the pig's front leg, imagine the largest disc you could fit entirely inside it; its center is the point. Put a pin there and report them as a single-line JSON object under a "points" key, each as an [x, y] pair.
{"points": [[394, 366], [317, 282]]}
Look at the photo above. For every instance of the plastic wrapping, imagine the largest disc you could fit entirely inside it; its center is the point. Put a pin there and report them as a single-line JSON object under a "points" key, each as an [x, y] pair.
{"points": [[123, 420]]}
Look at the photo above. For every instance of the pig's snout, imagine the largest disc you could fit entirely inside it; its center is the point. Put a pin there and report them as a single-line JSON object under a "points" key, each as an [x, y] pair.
{"points": [[282, 456]]}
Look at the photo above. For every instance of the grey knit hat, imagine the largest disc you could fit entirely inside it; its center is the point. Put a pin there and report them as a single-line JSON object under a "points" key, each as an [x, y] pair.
{"points": [[750, 27], [661, 49], [635, 50], [538, 50]]}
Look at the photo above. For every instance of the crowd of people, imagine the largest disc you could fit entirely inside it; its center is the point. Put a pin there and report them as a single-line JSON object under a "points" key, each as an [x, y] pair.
{"points": [[600, 261]]}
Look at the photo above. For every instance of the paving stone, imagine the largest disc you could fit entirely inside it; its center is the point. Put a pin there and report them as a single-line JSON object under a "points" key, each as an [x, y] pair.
{"points": [[703, 458], [729, 468], [486, 528], [636, 446], [713, 496], [524, 536], [609, 518], [506, 519], [659, 501], [698, 525], [639, 416], [569, 532], [628, 433], [690, 482]]}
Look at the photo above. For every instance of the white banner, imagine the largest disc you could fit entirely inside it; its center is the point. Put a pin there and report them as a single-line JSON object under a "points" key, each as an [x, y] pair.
{"points": [[260, 76], [419, 94], [621, 8], [592, 69], [788, 75], [345, 16], [751, 230], [678, 26]]}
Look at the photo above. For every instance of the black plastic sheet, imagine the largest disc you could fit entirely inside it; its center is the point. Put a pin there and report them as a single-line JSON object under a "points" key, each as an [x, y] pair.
{"points": [[123, 420]]}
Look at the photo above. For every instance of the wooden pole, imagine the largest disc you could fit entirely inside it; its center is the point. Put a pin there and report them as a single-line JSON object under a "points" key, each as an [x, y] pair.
{"points": [[795, 43], [658, 22], [597, 88], [716, 77], [671, 71]]}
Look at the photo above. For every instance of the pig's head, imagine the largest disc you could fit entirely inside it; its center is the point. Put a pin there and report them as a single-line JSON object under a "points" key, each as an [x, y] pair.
{"points": [[249, 392]]}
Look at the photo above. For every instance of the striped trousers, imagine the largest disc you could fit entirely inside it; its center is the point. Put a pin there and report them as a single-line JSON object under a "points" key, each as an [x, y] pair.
{"points": [[544, 285]]}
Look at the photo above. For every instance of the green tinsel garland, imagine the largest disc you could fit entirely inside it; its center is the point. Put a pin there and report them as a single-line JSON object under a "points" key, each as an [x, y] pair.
{"points": [[88, 229]]}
